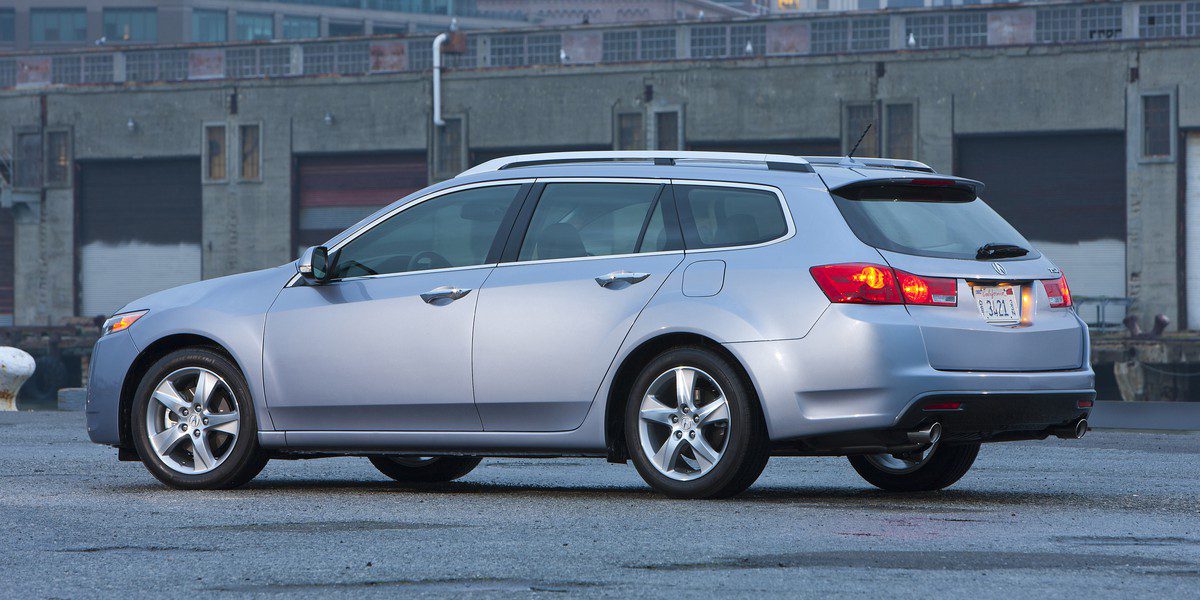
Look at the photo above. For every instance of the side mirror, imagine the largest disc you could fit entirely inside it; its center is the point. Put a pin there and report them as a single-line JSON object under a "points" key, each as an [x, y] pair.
{"points": [[314, 265]]}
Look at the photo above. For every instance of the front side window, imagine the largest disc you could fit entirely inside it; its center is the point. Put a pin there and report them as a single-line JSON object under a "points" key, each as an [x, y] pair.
{"points": [[574, 220], [719, 216], [455, 230]]}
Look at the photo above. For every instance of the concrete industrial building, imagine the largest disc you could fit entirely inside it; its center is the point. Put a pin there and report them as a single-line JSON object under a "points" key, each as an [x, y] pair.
{"points": [[134, 169]]}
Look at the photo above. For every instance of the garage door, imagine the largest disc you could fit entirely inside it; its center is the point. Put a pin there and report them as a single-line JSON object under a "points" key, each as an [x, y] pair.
{"points": [[139, 230], [6, 267], [335, 192], [1192, 225], [1066, 193]]}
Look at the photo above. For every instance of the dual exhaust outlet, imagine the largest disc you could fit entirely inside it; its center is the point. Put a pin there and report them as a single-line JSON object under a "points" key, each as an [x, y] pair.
{"points": [[931, 434]]}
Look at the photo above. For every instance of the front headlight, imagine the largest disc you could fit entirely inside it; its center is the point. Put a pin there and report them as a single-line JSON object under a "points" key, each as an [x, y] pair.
{"points": [[121, 322]]}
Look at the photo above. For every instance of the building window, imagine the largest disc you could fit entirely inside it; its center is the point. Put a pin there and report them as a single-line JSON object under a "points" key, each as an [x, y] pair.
{"points": [[253, 27], [748, 40], [98, 68], [400, 29], [250, 153], [131, 24], [666, 131], [346, 29], [508, 50], [301, 28], [657, 44], [214, 153], [58, 25], [1057, 24], [8, 73], [210, 26], [967, 29], [66, 70], [58, 158], [900, 131], [631, 134], [1160, 20], [925, 31], [165, 65], [1156, 126], [828, 37], [448, 155], [870, 34], [8, 26], [28, 159], [1101, 22], [544, 49], [1192, 21], [710, 41], [462, 60], [620, 46], [858, 117]]}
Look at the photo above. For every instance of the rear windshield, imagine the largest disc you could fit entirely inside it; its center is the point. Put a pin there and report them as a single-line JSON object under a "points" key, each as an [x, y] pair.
{"points": [[928, 223]]}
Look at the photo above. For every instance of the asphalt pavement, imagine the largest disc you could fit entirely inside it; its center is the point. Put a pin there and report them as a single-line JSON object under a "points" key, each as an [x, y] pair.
{"points": [[1116, 514]]}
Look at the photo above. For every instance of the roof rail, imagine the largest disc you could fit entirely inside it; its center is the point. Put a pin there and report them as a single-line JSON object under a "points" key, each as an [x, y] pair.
{"points": [[887, 163], [778, 162]]}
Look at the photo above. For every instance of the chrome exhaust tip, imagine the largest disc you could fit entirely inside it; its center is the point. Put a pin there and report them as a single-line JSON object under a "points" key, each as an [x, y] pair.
{"points": [[1072, 432], [926, 437]]}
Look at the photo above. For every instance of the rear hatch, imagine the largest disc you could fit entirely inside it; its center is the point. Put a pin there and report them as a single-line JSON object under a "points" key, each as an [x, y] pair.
{"points": [[1009, 311]]}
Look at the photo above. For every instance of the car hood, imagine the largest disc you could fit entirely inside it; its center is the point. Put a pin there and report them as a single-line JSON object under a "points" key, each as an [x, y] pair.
{"points": [[263, 283]]}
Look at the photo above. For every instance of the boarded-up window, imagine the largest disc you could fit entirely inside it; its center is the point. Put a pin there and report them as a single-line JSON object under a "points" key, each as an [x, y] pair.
{"points": [[214, 153], [1156, 125], [449, 151], [29, 160], [666, 130], [858, 117], [899, 120], [631, 135], [58, 155], [251, 152]]}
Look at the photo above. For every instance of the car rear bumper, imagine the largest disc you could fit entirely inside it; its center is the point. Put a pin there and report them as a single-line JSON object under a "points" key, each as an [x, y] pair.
{"points": [[865, 368]]}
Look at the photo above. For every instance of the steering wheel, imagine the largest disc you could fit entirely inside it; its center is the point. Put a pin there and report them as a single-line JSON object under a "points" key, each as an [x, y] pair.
{"points": [[433, 260]]}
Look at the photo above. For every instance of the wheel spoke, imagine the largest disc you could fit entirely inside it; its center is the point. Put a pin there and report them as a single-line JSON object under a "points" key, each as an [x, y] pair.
{"points": [[202, 455], [655, 411], [206, 383], [166, 440], [224, 422], [713, 412], [685, 385], [706, 455], [166, 394], [667, 455]]}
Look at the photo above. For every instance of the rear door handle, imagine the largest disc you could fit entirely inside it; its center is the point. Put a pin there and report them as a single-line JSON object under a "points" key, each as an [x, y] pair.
{"points": [[617, 277], [444, 293]]}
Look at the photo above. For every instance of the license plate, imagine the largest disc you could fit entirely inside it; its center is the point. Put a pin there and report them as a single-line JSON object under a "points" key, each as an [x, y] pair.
{"points": [[999, 303]]}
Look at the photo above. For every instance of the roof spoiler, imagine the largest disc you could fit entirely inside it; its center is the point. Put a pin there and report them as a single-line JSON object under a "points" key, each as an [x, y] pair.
{"points": [[870, 188], [879, 163]]}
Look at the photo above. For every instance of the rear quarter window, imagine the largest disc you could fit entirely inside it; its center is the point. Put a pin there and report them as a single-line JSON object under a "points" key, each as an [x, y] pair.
{"points": [[720, 216]]}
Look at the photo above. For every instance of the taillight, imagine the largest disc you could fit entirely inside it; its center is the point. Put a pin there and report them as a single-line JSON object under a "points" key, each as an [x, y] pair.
{"points": [[934, 291], [1058, 292], [857, 283], [864, 283]]}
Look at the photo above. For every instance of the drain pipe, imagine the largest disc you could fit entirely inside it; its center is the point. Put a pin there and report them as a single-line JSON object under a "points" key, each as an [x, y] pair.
{"points": [[437, 79]]}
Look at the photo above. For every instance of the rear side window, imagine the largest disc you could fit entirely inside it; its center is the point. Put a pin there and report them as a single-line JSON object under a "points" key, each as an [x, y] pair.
{"points": [[574, 220], [927, 222], [719, 216]]}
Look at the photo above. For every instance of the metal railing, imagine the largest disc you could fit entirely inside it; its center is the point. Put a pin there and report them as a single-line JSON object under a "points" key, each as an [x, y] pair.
{"points": [[1102, 313]]}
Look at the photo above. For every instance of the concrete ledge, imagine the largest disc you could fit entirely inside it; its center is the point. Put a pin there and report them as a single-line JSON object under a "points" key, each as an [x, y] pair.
{"points": [[1170, 416], [72, 399]]}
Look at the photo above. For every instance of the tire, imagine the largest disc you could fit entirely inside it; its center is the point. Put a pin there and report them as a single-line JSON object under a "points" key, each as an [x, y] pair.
{"points": [[742, 441], [233, 444], [944, 466], [433, 469]]}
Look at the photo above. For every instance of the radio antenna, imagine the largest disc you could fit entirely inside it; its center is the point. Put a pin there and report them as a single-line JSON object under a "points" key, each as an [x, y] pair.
{"points": [[860, 139]]}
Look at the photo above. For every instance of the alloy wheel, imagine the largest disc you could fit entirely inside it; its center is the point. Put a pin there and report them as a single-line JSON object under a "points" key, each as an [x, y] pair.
{"points": [[683, 423], [192, 421]]}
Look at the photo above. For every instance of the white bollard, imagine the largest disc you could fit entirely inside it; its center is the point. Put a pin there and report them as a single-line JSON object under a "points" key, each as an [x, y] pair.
{"points": [[16, 366]]}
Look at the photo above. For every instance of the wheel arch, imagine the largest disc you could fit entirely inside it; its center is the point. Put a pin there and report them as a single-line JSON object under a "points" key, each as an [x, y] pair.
{"points": [[632, 364], [153, 352]]}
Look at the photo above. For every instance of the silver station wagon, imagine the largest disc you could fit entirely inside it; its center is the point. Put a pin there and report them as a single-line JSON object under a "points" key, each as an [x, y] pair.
{"points": [[694, 313]]}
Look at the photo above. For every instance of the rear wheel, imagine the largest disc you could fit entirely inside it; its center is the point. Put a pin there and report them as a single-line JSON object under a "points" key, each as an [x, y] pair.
{"points": [[933, 469], [693, 428], [425, 469], [193, 422]]}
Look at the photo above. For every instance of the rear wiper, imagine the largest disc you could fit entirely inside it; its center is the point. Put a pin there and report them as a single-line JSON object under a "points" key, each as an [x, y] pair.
{"points": [[992, 250]]}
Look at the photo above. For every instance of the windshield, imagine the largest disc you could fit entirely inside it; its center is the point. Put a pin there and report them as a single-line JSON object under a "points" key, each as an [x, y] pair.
{"points": [[931, 226]]}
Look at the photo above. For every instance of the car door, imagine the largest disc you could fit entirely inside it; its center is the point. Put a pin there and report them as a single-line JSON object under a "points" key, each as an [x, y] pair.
{"points": [[386, 344], [582, 263]]}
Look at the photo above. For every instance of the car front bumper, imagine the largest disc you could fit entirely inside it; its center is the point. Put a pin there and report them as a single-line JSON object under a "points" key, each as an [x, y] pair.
{"points": [[111, 359]]}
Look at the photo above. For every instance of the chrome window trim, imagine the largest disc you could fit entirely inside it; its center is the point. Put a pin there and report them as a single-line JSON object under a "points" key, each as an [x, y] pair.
{"points": [[403, 207]]}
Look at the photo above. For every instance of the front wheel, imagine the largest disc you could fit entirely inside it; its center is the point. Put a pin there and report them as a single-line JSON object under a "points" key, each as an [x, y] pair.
{"points": [[693, 427], [425, 469], [923, 471]]}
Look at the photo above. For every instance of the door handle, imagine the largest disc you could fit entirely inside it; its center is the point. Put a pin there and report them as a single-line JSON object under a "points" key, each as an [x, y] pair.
{"points": [[444, 293], [621, 277]]}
